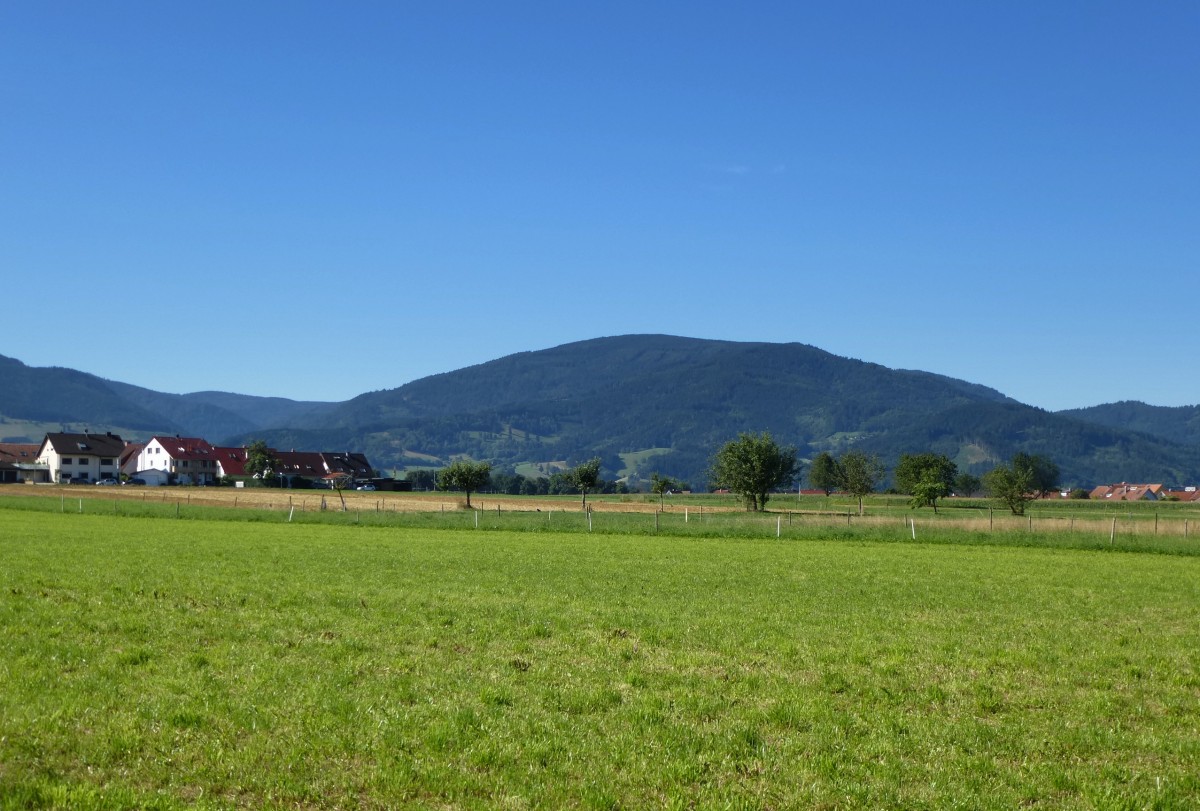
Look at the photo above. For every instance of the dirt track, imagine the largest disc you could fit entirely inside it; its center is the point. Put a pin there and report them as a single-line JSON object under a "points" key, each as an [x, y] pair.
{"points": [[269, 498]]}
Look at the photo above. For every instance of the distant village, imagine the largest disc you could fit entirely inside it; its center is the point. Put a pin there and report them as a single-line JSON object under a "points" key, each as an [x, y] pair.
{"points": [[69, 458], [85, 458]]}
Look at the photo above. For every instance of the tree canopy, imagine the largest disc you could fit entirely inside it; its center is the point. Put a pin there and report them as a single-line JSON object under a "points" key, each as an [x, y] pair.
{"points": [[752, 466], [585, 477], [659, 485], [1043, 473], [465, 476], [823, 473], [926, 477], [859, 474], [261, 461], [1011, 484]]}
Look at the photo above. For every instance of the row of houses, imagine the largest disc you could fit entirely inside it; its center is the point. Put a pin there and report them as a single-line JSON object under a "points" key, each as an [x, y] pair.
{"points": [[1143, 492], [68, 458]]}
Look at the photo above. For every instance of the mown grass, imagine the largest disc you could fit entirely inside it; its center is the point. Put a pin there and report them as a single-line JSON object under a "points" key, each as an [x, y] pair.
{"points": [[155, 662]]}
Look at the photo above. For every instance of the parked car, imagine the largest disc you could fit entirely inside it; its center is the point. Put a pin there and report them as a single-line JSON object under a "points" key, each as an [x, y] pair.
{"points": [[134, 480], [367, 486], [106, 482]]}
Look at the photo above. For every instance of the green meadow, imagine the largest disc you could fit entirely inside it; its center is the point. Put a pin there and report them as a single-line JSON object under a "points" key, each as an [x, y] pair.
{"points": [[214, 660]]}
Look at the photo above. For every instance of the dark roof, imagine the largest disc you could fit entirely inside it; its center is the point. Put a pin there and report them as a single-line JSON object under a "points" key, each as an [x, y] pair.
{"points": [[353, 463], [85, 444], [13, 452], [300, 463], [185, 447]]}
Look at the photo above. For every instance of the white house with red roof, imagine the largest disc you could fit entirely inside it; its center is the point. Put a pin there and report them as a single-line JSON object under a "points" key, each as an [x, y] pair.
{"points": [[186, 460]]}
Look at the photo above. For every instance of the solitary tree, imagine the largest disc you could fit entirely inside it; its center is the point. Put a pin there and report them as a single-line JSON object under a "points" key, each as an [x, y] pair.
{"points": [[859, 474], [926, 477], [913, 467], [752, 466], [824, 474], [1011, 484], [659, 485], [261, 461], [464, 475], [928, 490], [585, 477]]}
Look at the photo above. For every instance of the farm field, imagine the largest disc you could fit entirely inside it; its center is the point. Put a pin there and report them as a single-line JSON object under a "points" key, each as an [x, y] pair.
{"points": [[226, 662]]}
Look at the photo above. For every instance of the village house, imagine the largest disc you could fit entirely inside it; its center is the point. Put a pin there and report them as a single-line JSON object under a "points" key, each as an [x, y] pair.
{"points": [[1128, 492], [18, 463], [80, 458], [186, 460]]}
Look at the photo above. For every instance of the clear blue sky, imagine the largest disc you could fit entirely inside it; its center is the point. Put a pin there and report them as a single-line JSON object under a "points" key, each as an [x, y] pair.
{"points": [[314, 200]]}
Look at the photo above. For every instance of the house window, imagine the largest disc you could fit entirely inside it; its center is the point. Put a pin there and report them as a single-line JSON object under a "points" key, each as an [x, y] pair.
{"points": [[106, 463], [67, 461]]}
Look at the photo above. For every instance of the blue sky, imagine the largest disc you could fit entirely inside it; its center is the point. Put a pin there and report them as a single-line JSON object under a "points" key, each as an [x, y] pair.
{"points": [[313, 200]]}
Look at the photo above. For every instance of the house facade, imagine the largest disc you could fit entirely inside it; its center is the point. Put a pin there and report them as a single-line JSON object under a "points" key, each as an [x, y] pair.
{"points": [[80, 458], [186, 460]]}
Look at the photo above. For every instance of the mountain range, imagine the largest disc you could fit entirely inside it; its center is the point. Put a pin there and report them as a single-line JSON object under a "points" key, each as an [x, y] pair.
{"points": [[642, 403]]}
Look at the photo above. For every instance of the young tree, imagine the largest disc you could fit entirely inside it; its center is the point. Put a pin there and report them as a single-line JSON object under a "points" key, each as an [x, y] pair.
{"points": [[753, 465], [340, 482], [928, 490], [659, 485], [859, 474], [824, 474], [261, 461], [585, 477], [1011, 484], [464, 475]]}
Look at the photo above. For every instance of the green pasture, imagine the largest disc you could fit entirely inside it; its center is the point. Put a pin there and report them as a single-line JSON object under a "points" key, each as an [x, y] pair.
{"points": [[215, 660]]}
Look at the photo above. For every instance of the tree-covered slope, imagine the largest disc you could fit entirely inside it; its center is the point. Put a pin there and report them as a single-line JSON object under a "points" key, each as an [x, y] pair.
{"points": [[1176, 424], [65, 395], [614, 395]]}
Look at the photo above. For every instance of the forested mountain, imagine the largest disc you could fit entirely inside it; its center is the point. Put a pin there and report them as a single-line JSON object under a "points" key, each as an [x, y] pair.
{"points": [[643, 403], [1175, 424], [60, 395], [667, 403]]}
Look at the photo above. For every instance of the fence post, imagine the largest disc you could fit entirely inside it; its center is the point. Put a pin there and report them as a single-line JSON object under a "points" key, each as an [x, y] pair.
{"points": [[1112, 534], [778, 525]]}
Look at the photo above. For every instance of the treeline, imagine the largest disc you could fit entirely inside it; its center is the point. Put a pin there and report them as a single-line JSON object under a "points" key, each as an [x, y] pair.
{"points": [[514, 484]]}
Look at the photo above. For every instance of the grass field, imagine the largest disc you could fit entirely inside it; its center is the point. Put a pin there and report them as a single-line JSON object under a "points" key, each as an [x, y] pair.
{"points": [[236, 660]]}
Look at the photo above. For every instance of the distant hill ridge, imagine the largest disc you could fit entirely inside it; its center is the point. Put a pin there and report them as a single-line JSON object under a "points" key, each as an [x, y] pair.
{"points": [[665, 402]]}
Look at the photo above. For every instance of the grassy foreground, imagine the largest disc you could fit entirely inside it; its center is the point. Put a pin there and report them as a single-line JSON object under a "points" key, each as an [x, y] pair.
{"points": [[150, 662]]}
